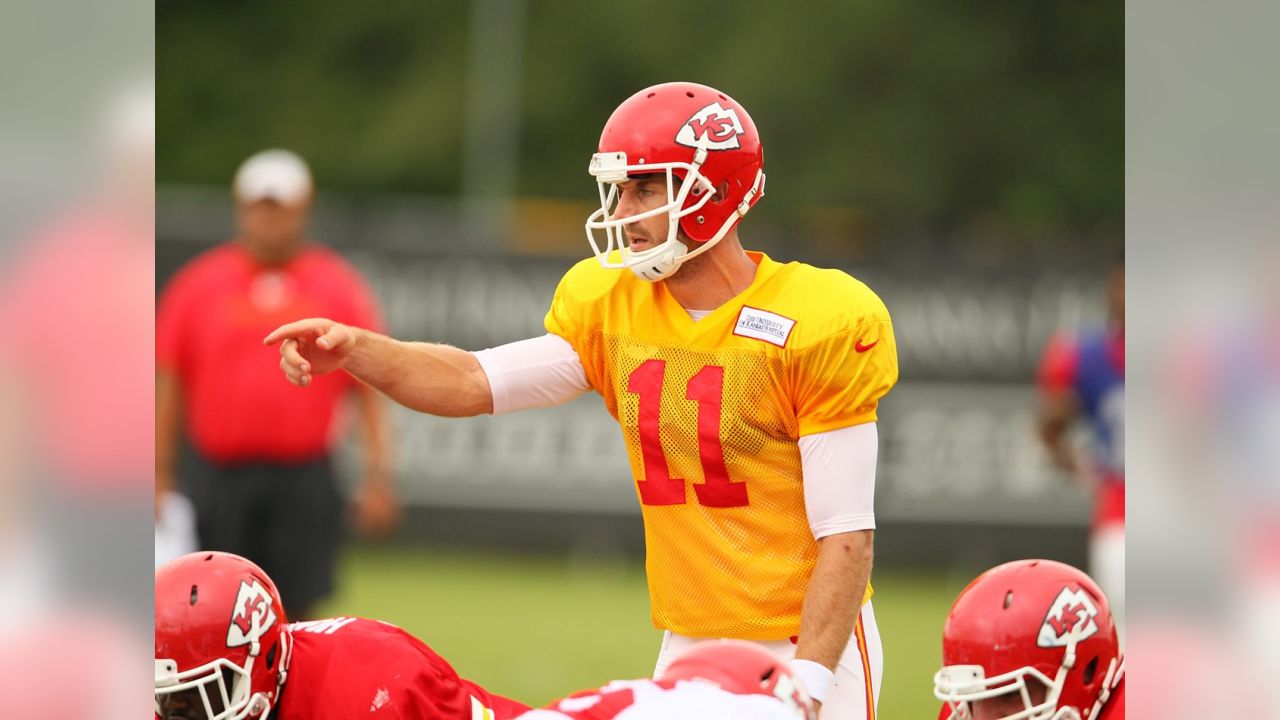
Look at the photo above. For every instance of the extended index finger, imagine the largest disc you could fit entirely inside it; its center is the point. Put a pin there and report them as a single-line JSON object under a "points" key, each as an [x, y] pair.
{"points": [[298, 329]]}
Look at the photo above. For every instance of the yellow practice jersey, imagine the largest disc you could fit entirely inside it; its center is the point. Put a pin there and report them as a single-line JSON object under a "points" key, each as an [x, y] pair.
{"points": [[711, 411]]}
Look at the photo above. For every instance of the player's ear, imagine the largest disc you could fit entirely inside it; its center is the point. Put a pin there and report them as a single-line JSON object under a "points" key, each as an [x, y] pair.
{"points": [[722, 192]]}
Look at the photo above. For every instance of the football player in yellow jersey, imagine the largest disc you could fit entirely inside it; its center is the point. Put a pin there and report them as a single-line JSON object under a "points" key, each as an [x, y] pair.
{"points": [[746, 390]]}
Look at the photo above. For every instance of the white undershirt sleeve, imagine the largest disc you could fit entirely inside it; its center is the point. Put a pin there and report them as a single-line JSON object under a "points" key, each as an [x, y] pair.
{"points": [[839, 468], [534, 373]]}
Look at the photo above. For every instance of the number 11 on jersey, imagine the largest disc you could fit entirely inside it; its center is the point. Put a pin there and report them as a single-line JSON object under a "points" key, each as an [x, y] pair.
{"points": [[706, 388]]}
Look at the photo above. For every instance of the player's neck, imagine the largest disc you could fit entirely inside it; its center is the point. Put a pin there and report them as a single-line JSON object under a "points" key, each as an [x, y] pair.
{"points": [[268, 255], [713, 278]]}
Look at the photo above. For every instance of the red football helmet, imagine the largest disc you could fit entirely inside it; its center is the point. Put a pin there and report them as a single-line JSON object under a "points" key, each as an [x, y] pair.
{"points": [[743, 668], [1025, 627], [691, 133], [221, 643]]}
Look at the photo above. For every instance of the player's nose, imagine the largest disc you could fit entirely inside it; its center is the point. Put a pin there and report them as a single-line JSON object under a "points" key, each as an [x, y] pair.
{"points": [[626, 206]]}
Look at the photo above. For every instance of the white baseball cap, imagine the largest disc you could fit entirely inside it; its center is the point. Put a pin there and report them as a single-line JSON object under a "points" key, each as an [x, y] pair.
{"points": [[278, 175]]}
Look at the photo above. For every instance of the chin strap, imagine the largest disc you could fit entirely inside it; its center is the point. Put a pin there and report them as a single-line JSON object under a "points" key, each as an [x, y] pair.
{"points": [[1115, 673], [286, 656]]}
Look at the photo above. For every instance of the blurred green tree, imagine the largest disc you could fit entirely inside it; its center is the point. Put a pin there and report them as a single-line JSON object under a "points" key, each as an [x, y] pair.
{"points": [[929, 118]]}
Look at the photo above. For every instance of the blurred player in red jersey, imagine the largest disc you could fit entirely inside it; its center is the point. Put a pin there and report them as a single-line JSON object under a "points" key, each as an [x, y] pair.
{"points": [[746, 390], [714, 680], [1031, 640], [1082, 377], [224, 651], [259, 450]]}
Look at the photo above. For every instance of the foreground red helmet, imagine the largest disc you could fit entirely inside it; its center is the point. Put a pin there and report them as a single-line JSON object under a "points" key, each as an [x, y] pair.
{"points": [[221, 642], [1027, 627], [743, 668], [708, 148]]}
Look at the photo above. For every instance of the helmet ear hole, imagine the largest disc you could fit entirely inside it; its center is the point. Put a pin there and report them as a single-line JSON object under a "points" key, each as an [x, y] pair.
{"points": [[1090, 671], [722, 191]]}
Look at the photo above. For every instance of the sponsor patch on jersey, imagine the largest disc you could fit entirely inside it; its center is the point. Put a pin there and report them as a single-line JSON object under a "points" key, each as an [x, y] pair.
{"points": [[251, 615], [1072, 615], [714, 127], [764, 325]]}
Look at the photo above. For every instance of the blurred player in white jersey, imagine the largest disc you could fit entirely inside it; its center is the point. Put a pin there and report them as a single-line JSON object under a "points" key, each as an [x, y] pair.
{"points": [[715, 680]]}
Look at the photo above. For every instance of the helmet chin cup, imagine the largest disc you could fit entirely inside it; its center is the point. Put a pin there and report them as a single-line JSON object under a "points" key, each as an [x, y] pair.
{"points": [[656, 263], [662, 260]]}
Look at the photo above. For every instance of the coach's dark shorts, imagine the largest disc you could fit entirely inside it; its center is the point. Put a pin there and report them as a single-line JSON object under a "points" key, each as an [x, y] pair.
{"points": [[286, 518]]}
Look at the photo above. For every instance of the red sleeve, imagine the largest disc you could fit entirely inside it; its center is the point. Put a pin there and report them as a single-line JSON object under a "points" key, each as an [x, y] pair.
{"points": [[362, 305], [1060, 363], [344, 668], [945, 713], [172, 310], [503, 708], [428, 686], [365, 305]]}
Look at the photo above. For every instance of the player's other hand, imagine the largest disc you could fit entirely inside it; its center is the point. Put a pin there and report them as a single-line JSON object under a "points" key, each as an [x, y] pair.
{"points": [[312, 347], [375, 510]]}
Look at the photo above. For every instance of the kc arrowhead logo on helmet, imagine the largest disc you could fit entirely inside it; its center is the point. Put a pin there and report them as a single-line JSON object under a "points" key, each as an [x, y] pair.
{"points": [[714, 127], [251, 615], [1070, 617]]}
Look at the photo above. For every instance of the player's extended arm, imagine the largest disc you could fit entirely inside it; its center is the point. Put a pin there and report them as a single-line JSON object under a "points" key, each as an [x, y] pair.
{"points": [[1058, 410], [1059, 404], [839, 485], [427, 377]]}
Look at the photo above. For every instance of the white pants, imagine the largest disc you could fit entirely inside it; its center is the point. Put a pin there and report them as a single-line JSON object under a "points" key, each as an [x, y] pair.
{"points": [[175, 528], [1106, 565], [861, 665]]}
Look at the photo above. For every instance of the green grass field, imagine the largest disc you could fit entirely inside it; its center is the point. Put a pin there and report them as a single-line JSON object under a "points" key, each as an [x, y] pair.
{"points": [[535, 628]]}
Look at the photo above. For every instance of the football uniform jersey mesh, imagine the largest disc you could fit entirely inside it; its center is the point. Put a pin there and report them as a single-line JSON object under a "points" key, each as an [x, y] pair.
{"points": [[718, 571], [729, 548]]}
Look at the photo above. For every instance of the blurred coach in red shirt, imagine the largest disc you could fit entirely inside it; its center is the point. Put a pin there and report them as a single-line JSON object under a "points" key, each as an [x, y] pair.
{"points": [[263, 481]]}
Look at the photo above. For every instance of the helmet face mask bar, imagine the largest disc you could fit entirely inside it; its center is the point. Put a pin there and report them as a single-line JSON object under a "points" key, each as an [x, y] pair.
{"points": [[661, 260], [962, 685], [234, 703]]}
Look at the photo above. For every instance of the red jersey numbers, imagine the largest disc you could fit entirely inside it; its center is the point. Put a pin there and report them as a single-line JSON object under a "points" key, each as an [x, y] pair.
{"points": [[706, 388]]}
